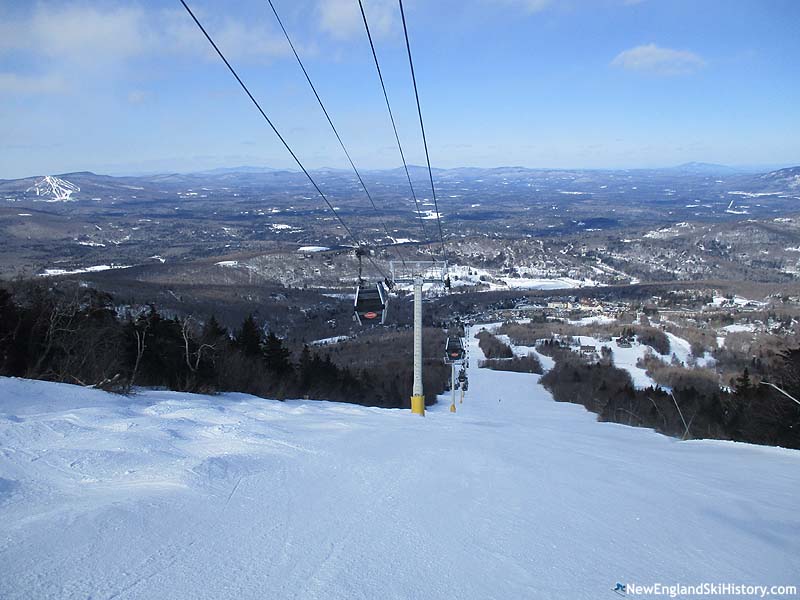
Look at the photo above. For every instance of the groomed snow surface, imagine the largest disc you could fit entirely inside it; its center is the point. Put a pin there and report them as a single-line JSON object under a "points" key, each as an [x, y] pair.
{"points": [[169, 495]]}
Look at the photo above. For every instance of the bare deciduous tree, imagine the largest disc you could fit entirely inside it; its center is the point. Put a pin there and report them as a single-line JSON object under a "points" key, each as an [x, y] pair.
{"points": [[192, 358], [141, 343]]}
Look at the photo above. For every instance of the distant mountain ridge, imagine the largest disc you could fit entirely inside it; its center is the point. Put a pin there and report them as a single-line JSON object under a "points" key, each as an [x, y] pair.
{"points": [[98, 185], [789, 177], [240, 169], [706, 168]]}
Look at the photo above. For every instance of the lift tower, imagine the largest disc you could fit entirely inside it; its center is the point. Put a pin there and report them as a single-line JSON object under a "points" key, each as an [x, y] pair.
{"points": [[418, 273]]}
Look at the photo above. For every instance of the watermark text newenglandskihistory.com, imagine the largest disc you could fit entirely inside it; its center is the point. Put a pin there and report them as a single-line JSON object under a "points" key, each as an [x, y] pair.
{"points": [[676, 590]]}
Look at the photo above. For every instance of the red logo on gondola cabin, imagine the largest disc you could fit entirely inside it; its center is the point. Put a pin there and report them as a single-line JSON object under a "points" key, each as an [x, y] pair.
{"points": [[370, 315]]}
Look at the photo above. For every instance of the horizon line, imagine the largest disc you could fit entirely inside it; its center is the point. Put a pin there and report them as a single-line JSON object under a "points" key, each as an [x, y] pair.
{"points": [[744, 168]]}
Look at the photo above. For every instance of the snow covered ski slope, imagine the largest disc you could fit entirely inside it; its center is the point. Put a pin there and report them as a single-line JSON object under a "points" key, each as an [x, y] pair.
{"points": [[168, 495]]}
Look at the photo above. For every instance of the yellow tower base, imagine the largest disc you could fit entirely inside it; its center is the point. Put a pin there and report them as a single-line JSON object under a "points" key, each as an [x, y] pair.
{"points": [[418, 405], [452, 408]]}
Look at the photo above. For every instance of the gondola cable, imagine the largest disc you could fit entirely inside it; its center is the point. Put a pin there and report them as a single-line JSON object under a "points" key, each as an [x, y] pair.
{"points": [[281, 138], [422, 128], [391, 118], [333, 127]]}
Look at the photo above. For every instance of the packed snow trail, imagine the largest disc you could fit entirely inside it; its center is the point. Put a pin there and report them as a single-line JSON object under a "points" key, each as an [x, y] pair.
{"points": [[169, 495]]}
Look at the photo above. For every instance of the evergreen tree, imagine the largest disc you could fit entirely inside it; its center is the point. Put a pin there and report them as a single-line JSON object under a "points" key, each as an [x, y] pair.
{"points": [[276, 356], [163, 361], [789, 372], [12, 354], [248, 338], [213, 331], [743, 383], [305, 368]]}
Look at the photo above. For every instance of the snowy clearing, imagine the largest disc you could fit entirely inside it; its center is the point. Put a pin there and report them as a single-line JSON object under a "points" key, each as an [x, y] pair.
{"points": [[735, 301], [53, 189], [593, 320], [330, 340], [180, 496], [739, 327], [465, 275], [682, 349], [624, 358], [427, 215], [537, 283], [95, 269], [621, 357]]}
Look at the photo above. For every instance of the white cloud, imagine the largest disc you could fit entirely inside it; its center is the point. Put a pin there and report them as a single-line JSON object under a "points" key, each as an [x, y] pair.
{"points": [[12, 83], [243, 42], [530, 6], [239, 41], [533, 6], [79, 34], [650, 58], [138, 96], [179, 34], [66, 47], [342, 18], [87, 37]]}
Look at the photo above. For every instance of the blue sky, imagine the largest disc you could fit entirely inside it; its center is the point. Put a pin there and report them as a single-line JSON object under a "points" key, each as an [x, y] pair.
{"points": [[126, 87]]}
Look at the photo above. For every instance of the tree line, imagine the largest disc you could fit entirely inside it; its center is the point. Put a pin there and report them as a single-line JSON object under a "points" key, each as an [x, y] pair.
{"points": [[78, 335], [747, 413]]}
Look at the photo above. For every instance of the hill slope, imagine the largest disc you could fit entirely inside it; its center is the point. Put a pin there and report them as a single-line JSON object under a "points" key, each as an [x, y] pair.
{"points": [[168, 495]]}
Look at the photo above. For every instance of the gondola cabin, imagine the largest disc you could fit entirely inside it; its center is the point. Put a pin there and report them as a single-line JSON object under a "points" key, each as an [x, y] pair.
{"points": [[370, 304], [454, 350]]}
